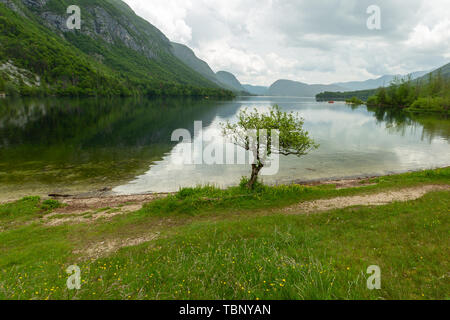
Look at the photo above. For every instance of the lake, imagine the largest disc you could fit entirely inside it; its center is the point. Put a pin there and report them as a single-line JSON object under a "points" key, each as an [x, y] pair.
{"points": [[82, 145]]}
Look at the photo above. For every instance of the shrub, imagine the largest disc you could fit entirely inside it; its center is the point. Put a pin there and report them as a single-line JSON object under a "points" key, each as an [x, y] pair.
{"points": [[431, 104], [354, 100], [50, 204], [372, 101]]}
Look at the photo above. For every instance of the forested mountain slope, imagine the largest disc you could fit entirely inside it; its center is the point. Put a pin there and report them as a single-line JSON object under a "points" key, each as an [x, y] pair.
{"points": [[114, 53]]}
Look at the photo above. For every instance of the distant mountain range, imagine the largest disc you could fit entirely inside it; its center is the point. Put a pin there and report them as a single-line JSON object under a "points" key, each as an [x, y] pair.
{"points": [[295, 88], [284, 87], [379, 82], [300, 89], [417, 77]]}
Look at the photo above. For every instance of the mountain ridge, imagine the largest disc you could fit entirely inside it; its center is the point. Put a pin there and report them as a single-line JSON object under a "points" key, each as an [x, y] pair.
{"points": [[444, 71], [284, 87], [223, 79], [230, 81], [116, 52], [188, 57], [377, 82]]}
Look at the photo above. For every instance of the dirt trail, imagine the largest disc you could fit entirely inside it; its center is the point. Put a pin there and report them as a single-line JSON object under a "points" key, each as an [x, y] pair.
{"points": [[376, 199], [108, 246], [78, 210], [103, 248]]}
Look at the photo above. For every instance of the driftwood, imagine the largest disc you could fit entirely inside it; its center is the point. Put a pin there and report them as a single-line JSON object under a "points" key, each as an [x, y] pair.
{"points": [[54, 195]]}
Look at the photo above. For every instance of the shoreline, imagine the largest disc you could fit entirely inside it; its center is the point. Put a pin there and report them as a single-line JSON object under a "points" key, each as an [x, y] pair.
{"points": [[107, 193], [340, 182]]}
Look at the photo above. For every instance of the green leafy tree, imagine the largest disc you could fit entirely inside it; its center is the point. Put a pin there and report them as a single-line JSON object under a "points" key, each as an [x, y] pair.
{"points": [[255, 132]]}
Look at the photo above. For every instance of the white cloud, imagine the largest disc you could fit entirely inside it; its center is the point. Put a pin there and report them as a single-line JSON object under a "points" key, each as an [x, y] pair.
{"points": [[167, 15], [310, 41], [431, 38]]}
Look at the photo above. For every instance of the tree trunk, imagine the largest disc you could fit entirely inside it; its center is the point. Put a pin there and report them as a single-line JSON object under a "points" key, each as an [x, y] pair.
{"points": [[255, 172]]}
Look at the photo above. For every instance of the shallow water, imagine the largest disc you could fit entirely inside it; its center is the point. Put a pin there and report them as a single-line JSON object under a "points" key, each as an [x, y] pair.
{"points": [[67, 145]]}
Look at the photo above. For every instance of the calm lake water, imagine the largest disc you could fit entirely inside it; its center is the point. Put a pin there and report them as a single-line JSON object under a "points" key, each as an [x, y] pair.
{"points": [[67, 145]]}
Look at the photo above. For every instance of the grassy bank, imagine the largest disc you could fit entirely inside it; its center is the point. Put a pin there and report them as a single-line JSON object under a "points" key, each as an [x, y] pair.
{"points": [[237, 244]]}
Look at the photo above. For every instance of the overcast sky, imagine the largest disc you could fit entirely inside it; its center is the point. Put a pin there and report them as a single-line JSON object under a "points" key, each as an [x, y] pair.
{"points": [[313, 41]]}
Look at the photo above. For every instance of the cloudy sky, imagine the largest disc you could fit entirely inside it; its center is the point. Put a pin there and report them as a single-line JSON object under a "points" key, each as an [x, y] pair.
{"points": [[261, 41]]}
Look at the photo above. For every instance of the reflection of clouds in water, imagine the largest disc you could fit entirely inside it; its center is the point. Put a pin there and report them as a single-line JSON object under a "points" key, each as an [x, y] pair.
{"points": [[352, 142], [417, 155]]}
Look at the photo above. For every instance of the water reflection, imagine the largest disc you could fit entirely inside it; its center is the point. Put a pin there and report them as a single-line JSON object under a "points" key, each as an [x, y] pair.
{"points": [[354, 142], [78, 145], [90, 143]]}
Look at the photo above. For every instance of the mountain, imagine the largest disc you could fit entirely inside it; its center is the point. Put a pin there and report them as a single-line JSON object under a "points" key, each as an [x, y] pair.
{"points": [[383, 81], [417, 74], [368, 84], [420, 78], [255, 90], [298, 89], [230, 81], [188, 57], [223, 79], [444, 71], [294, 88], [114, 52]]}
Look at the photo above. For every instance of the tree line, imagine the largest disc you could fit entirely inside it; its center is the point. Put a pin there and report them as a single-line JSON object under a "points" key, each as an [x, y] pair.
{"points": [[428, 94], [423, 95]]}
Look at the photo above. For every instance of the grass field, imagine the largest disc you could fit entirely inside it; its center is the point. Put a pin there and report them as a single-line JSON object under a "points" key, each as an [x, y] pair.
{"points": [[236, 244]]}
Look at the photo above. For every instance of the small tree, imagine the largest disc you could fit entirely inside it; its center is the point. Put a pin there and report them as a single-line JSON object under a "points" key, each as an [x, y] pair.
{"points": [[256, 132]]}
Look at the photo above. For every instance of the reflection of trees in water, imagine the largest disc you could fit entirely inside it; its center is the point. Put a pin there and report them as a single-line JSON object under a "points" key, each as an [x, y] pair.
{"points": [[434, 127], [122, 135], [398, 121], [102, 122]]}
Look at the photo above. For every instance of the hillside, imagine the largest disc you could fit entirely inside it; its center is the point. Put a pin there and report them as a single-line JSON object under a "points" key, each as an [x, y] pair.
{"points": [[222, 79], [298, 89], [444, 71], [188, 57], [115, 52], [230, 81], [376, 83]]}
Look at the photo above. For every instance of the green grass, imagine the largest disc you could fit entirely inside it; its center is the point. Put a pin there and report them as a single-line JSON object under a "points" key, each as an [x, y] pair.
{"points": [[209, 199], [26, 209], [235, 244], [322, 256]]}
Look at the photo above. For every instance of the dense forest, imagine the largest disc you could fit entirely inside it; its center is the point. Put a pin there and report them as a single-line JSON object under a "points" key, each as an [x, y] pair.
{"points": [[36, 60], [342, 96]]}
